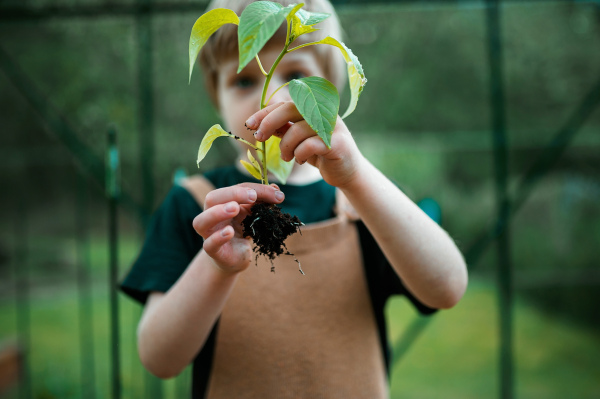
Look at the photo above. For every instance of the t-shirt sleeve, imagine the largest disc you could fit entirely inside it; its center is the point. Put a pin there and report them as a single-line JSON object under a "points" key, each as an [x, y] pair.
{"points": [[170, 245]]}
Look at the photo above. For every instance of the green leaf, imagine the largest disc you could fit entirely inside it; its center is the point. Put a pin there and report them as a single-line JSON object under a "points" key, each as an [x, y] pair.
{"points": [[356, 75], [213, 133], [204, 27], [318, 101], [252, 169], [311, 18], [277, 166], [258, 23]]}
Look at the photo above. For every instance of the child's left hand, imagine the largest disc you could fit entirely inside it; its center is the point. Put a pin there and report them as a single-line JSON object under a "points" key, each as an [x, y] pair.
{"points": [[337, 164]]}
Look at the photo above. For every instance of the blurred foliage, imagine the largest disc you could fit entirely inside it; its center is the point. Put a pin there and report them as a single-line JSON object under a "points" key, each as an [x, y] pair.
{"points": [[424, 119]]}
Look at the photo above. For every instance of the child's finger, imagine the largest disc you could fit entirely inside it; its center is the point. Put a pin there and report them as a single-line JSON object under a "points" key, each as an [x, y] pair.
{"points": [[205, 223], [214, 242], [293, 138], [254, 121], [310, 147], [269, 120], [245, 193], [237, 193]]}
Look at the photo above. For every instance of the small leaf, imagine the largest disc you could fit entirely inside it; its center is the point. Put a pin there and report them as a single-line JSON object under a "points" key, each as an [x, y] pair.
{"points": [[277, 166], [298, 28], [204, 27], [258, 23], [318, 101], [213, 133], [250, 168], [293, 11], [254, 162], [302, 21], [311, 18], [356, 74]]}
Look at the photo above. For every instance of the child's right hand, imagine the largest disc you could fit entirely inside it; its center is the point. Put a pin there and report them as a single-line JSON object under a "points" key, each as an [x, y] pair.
{"points": [[220, 224]]}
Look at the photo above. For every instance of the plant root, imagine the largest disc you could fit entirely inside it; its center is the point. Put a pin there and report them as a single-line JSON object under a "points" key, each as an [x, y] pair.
{"points": [[269, 228]]}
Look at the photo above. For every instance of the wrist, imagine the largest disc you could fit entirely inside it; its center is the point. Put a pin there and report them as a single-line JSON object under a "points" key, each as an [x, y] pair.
{"points": [[218, 271], [359, 172]]}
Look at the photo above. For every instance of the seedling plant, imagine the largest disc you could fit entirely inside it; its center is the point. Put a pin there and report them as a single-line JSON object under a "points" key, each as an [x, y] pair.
{"points": [[316, 99]]}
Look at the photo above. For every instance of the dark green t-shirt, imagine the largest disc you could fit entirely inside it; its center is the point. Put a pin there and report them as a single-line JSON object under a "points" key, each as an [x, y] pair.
{"points": [[171, 244]]}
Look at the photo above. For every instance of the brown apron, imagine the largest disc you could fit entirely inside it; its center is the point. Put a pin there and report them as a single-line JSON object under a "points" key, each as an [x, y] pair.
{"points": [[285, 335]]}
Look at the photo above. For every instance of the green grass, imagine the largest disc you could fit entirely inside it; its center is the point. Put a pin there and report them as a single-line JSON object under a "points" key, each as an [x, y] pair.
{"points": [[455, 356]]}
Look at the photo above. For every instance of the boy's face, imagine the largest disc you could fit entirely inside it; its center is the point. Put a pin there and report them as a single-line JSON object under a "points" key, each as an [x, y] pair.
{"points": [[239, 94]]}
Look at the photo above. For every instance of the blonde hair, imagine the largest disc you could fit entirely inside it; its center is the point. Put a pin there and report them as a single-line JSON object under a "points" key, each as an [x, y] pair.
{"points": [[223, 44]]}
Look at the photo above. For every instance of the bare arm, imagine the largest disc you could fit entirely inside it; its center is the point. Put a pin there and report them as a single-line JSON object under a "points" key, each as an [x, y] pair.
{"points": [[176, 324], [423, 255], [421, 252]]}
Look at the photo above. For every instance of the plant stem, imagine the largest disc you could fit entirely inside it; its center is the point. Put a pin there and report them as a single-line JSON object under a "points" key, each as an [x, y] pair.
{"points": [[263, 102], [246, 142], [302, 46], [260, 65]]}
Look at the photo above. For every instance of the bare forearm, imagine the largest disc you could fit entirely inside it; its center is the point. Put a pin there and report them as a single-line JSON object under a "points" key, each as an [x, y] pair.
{"points": [[423, 255], [176, 324]]}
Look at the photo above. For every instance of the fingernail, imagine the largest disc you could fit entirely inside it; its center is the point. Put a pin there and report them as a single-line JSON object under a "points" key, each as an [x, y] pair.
{"points": [[258, 135], [279, 195], [230, 208], [224, 232], [252, 195], [251, 123]]}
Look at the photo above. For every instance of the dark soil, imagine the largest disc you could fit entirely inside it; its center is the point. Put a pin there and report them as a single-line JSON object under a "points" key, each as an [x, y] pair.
{"points": [[269, 228]]}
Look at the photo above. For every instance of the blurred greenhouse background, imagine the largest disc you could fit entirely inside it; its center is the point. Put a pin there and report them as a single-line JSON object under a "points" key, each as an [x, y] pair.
{"points": [[490, 108]]}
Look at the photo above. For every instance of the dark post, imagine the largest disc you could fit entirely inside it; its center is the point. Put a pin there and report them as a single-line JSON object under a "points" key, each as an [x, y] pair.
{"points": [[153, 386], [502, 201], [146, 103], [21, 275], [112, 192], [86, 329]]}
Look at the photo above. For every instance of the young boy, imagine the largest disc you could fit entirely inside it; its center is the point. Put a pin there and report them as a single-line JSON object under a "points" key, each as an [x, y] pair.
{"points": [[251, 333]]}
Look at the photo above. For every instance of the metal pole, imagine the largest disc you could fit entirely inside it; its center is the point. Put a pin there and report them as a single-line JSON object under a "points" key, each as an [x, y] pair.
{"points": [[502, 201], [112, 190], [407, 340], [86, 330], [21, 273], [146, 107], [153, 386]]}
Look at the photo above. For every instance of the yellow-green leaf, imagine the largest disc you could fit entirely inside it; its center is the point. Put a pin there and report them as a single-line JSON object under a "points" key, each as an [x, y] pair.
{"points": [[298, 28], [213, 133], [205, 26], [252, 169], [356, 75], [293, 11], [254, 162], [277, 166]]}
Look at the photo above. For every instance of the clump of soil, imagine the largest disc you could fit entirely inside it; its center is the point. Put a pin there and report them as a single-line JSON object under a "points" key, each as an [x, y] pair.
{"points": [[269, 228]]}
